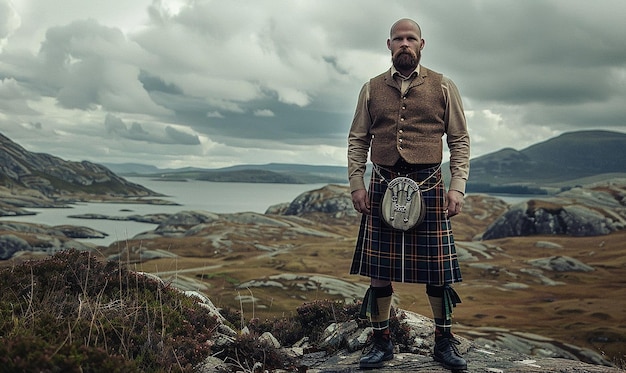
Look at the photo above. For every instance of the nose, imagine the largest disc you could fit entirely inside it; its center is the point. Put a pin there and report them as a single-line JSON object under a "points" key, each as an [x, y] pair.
{"points": [[406, 43]]}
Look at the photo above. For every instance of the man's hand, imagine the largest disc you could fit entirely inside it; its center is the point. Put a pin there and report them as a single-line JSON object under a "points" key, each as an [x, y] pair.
{"points": [[455, 202], [360, 201]]}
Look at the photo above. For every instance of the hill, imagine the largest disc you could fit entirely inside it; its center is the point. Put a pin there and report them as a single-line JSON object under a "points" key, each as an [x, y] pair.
{"points": [[564, 161], [51, 176], [36, 180]]}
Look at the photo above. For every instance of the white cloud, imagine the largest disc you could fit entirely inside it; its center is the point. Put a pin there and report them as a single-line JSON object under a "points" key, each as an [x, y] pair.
{"points": [[214, 114], [264, 113], [9, 21]]}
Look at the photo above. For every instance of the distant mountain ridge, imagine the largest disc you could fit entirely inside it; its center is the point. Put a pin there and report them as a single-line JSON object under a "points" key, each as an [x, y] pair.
{"points": [[284, 173], [563, 161]]}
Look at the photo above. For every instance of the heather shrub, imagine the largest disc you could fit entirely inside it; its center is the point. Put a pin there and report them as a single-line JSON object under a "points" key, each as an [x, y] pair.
{"points": [[72, 312]]}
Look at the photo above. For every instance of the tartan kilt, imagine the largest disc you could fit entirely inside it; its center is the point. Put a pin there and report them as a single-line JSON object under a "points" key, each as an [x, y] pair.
{"points": [[424, 254]]}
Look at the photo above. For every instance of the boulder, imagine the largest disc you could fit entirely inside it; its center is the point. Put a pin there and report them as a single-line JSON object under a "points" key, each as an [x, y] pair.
{"points": [[10, 244], [578, 212], [329, 199]]}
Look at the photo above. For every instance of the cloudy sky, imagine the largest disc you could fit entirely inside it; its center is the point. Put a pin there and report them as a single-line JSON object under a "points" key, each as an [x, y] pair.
{"points": [[214, 83]]}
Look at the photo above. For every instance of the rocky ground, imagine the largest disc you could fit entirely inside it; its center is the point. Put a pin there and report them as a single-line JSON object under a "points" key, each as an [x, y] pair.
{"points": [[533, 299], [341, 345]]}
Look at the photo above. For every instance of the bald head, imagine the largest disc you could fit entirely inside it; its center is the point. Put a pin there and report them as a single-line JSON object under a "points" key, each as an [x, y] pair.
{"points": [[405, 22], [405, 43]]}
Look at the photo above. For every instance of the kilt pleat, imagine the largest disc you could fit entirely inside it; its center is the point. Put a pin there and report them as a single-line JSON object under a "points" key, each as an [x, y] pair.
{"points": [[424, 254]]}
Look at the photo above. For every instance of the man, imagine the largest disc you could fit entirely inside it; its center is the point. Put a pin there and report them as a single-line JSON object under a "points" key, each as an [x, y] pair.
{"points": [[400, 119]]}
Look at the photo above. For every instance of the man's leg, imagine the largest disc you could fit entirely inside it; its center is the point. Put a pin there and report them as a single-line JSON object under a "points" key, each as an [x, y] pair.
{"points": [[378, 302], [442, 299]]}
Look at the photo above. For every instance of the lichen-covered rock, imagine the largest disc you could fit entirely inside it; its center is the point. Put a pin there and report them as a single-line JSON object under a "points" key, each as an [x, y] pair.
{"points": [[578, 212], [329, 199], [561, 264], [10, 244]]}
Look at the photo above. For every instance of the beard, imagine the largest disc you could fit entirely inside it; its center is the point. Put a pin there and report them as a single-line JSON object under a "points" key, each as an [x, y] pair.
{"points": [[406, 59]]}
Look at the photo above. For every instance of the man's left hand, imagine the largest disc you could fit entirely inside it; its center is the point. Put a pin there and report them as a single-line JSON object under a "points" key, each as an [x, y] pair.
{"points": [[455, 202]]}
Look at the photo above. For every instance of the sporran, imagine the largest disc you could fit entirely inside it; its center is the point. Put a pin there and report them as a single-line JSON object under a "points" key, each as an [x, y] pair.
{"points": [[402, 206]]}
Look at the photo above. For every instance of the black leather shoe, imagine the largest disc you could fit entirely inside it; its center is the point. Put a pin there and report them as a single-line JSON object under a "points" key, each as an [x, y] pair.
{"points": [[380, 351], [447, 353]]}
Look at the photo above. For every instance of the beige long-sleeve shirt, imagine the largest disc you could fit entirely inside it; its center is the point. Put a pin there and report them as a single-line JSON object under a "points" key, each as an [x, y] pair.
{"points": [[455, 128]]}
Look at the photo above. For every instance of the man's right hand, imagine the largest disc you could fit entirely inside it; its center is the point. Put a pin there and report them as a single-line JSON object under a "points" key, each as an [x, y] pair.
{"points": [[360, 201]]}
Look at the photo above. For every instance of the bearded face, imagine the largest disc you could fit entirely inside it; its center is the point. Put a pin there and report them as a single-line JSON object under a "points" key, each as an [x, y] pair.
{"points": [[406, 59]]}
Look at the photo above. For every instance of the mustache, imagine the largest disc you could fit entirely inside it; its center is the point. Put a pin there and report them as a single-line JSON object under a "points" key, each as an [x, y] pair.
{"points": [[405, 51]]}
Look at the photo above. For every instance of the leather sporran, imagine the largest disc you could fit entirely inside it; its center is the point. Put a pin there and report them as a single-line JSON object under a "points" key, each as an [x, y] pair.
{"points": [[402, 206]]}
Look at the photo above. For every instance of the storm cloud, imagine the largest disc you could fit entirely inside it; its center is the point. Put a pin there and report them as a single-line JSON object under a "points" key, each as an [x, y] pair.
{"points": [[217, 83]]}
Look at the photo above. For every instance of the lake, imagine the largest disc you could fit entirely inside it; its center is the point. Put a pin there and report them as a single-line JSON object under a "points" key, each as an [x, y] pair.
{"points": [[190, 195]]}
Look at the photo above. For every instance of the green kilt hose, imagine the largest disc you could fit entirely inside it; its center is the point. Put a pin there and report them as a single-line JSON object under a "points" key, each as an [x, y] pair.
{"points": [[424, 254]]}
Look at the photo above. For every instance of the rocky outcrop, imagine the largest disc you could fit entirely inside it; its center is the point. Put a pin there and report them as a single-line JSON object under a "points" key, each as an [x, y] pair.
{"points": [[482, 355], [330, 199], [340, 345], [41, 180], [16, 238], [593, 211]]}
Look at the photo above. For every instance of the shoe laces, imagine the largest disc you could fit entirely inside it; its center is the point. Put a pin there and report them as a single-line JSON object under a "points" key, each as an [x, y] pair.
{"points": [[371, 344], [453, 343]]}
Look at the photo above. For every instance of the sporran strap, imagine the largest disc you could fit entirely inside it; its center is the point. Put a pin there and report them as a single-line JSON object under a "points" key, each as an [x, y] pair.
{"points": [[377, 169]]}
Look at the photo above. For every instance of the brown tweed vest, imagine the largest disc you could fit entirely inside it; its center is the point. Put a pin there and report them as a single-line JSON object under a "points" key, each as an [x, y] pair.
{"points": [[410, 126]]}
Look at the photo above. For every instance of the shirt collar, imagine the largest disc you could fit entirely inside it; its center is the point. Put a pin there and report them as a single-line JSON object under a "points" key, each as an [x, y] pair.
{"points": [[395, 72]]}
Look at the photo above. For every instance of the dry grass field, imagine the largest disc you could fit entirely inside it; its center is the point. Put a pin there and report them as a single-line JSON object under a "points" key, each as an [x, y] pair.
{"points": [[500, 289]]}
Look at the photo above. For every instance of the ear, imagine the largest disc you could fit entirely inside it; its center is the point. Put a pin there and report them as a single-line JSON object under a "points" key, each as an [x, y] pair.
{"points": [[422, 43], [389, 44]]}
